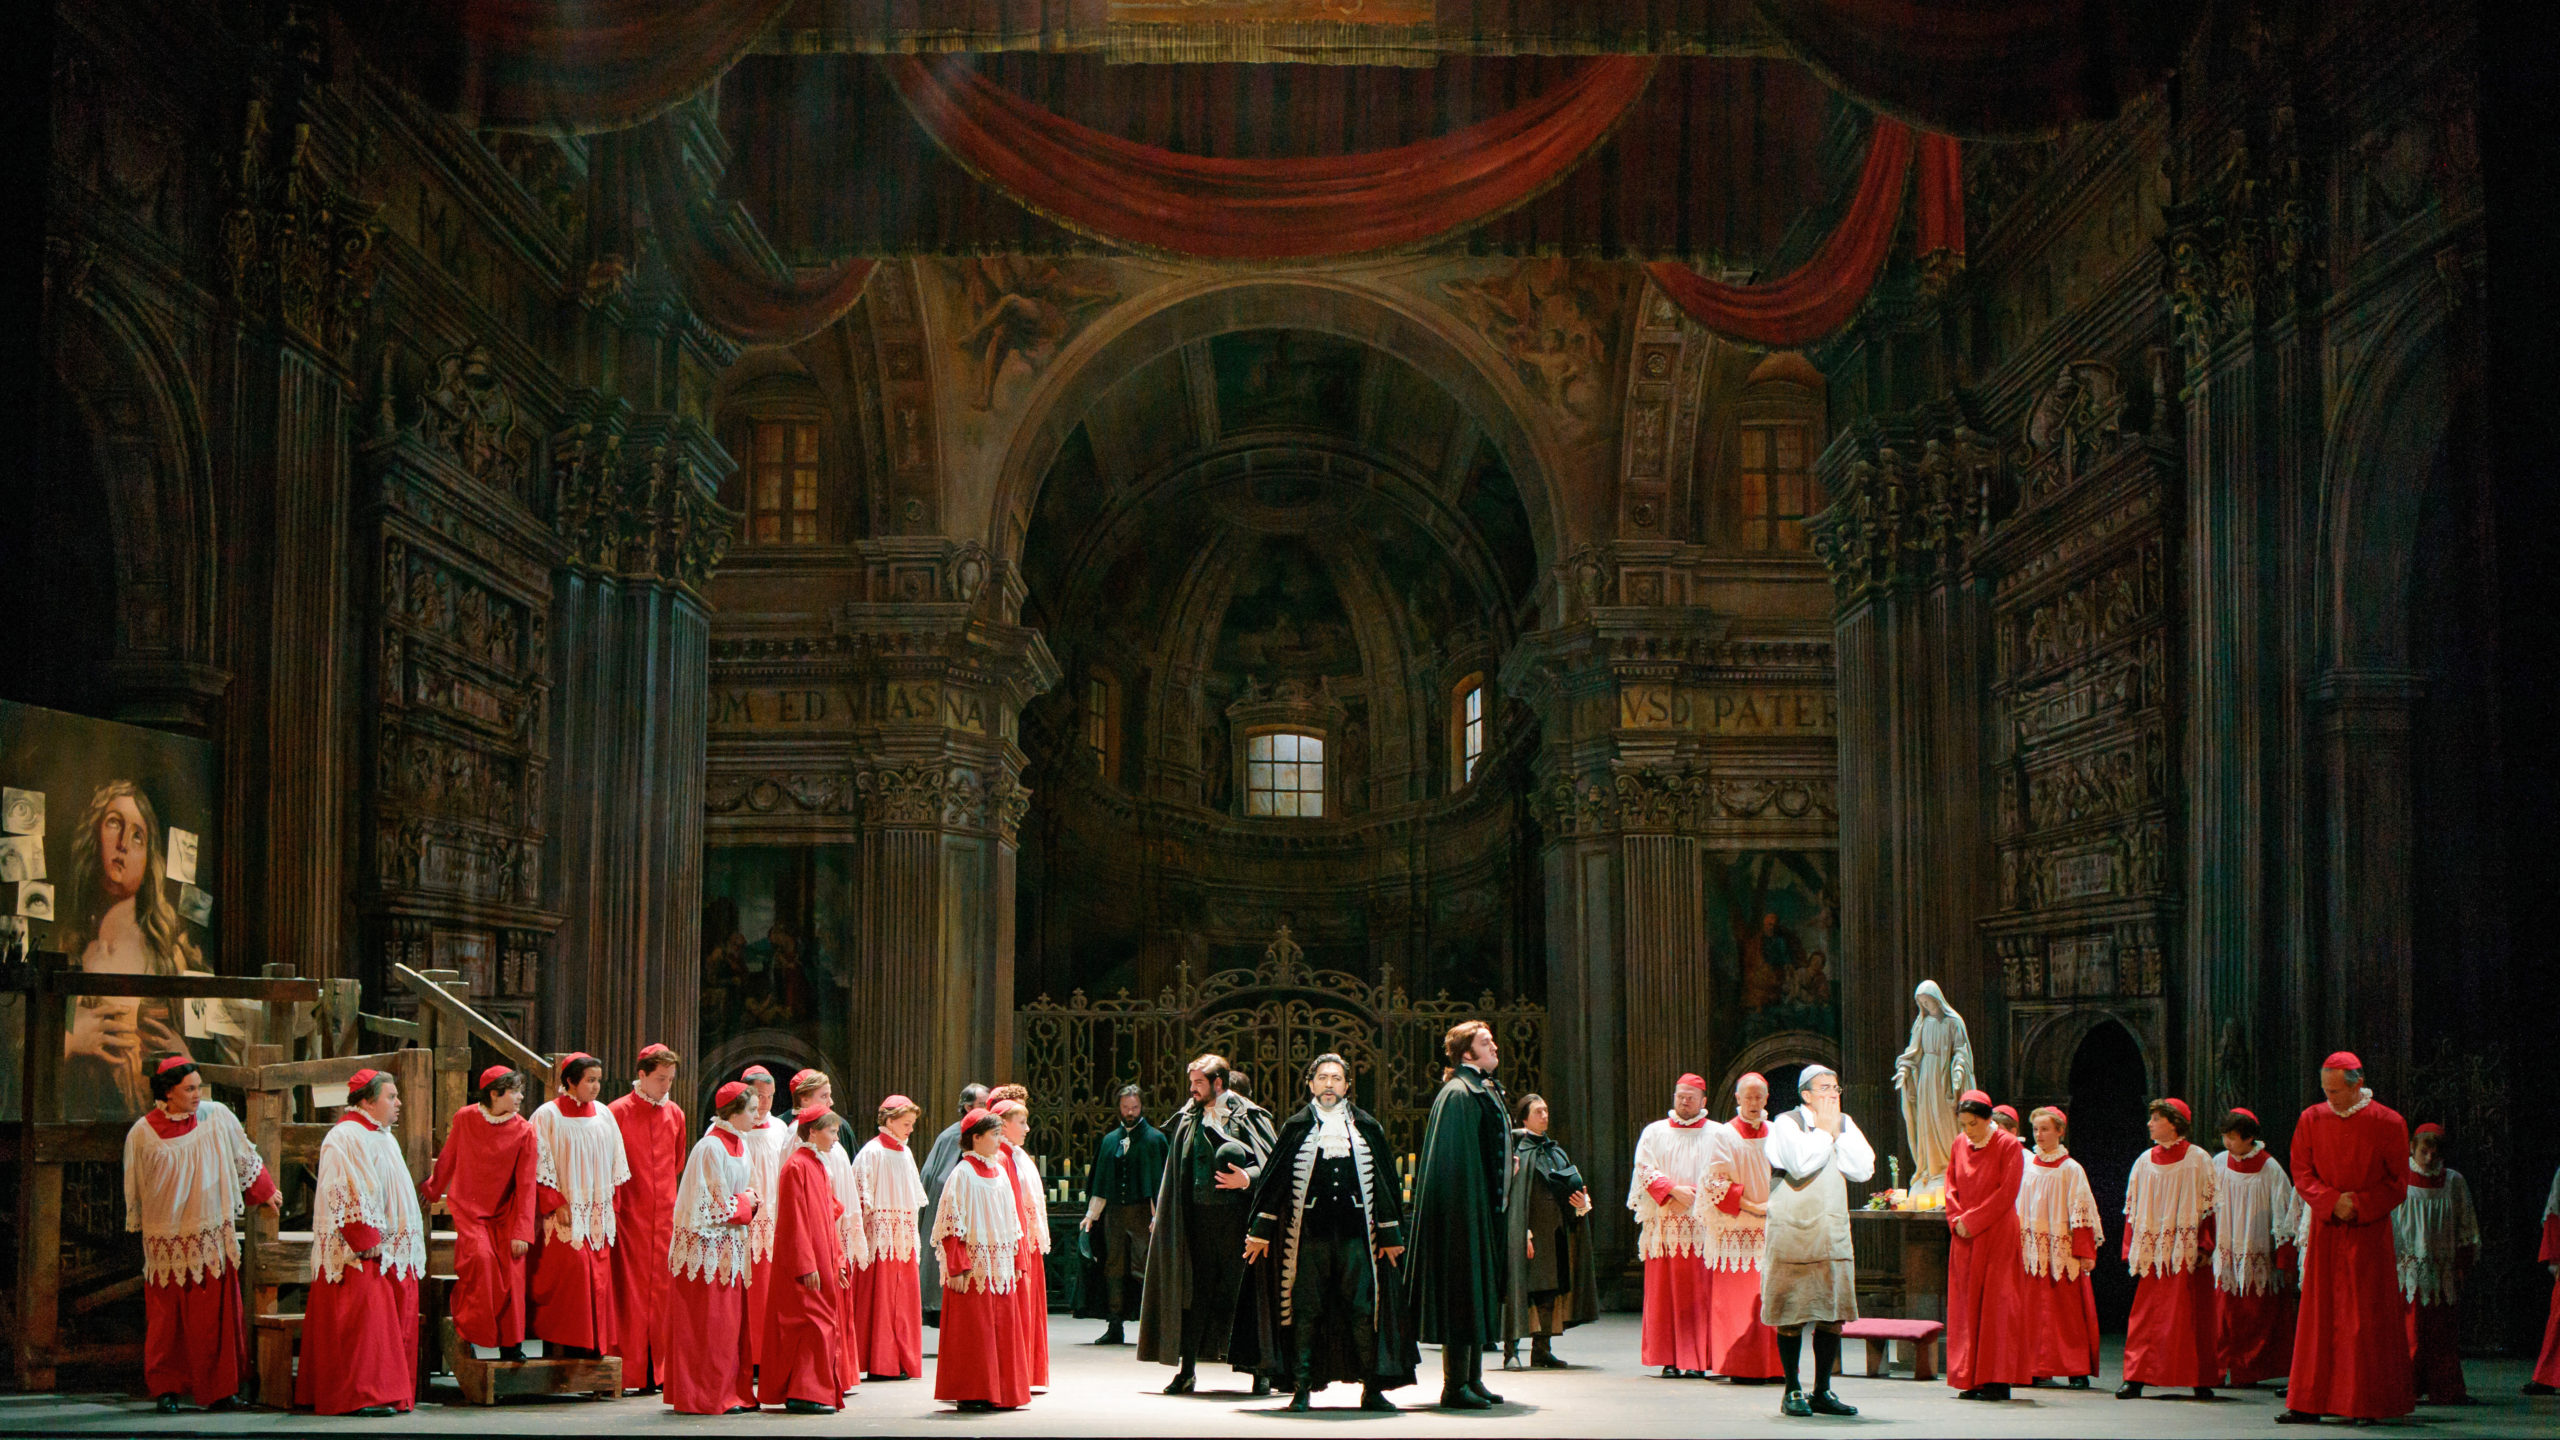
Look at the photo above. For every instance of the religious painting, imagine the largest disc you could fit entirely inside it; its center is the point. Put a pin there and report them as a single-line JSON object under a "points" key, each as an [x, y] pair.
{"points": [[1773, 941], [1287, 380], [778, 942], [1286, 618], [108, 853]]}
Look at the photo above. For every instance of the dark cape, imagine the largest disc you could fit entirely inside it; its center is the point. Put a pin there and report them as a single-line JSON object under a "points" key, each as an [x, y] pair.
{"points": [[1455, 1270], [1543, 1179], [1142, 1147], [1169, 1279], [936, 1169], [1274, 1219]]}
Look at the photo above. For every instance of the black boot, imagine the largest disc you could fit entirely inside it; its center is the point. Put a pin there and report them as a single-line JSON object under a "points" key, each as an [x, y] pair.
{"points": [[1299, 1400], [2204, 1392], [1475, 1376], [1373, 1398], [1542, 1356], [1183, 1381], [2129, 1390], [1261, 1385], [1112, 1335]]}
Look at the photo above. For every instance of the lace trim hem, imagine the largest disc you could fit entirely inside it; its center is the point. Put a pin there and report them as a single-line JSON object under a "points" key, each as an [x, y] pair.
{"points": [[892, 1234], [2429, 1282], [186, 1259], [712, 1259], [990, 1271], [582, 1224], [2170, 1251]]}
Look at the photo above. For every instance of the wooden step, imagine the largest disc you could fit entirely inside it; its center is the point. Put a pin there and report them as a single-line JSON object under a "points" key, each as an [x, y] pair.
{"points": [[486, 1382], [286, 1260]]}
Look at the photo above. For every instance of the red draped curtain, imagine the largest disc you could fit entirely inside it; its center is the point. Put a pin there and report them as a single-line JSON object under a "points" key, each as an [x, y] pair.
{"points": [[735, 294], [1289, 208], [558, 65]]}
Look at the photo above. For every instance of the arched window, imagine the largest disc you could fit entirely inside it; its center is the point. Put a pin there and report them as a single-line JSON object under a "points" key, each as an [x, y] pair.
{"points": [[1284, 773], [1102, 723], [1779, 432], [1466, 731]]}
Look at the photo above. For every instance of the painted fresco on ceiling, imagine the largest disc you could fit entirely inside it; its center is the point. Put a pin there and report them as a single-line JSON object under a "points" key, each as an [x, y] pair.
{"points": [[1773, 942], [1287, 379], [1285, 618]]}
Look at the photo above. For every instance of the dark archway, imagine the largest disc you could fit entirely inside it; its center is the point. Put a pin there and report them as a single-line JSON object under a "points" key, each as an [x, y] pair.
{"points": [[2106, 1107], [58, 570]]}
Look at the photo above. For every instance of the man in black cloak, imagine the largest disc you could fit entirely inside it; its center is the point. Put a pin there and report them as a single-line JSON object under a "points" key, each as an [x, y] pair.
{"points": [[1327, 1233], [1456, 1269], [1195, 1254], [1120, 1208], [1552, 1285], [938, 1161]]}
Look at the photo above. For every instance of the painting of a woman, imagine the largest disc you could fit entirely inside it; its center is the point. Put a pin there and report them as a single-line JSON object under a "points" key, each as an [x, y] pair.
{"points": [[120, 921]]}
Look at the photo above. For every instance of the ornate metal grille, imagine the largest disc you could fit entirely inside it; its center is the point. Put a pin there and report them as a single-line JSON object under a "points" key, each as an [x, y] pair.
{"points": [[1268, 1021]]}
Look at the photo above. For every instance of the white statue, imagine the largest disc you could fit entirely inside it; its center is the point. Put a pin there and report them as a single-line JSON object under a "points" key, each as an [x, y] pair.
{"points": [[1931, 1073]]}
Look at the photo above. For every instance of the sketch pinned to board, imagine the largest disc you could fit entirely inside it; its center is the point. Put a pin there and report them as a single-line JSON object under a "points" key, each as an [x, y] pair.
{"points": [[35, 900], [21, 858], [195, 906], [21, 811], [13, 938], [182, 855]]}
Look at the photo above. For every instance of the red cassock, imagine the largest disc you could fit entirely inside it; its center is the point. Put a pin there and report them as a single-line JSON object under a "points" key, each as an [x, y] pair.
{"points": [[193, 1337], [2351, 1345], [2062, 1317], [701, 1325], [1987, 1338], [802, 1357], [2257, 1329], [653, 1141], [1739, 1345], [1679, 1295], [1031, 1277], [980, 1357], [360, 1331], [2546, 1369], [2174, 1335], [570, 1299], [484, 1174], [888, 1304]]}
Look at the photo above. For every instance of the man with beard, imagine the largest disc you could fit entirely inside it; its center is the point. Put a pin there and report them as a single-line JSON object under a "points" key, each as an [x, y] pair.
{"points": [[1120, 1207], [1455, 1283], [1328, 1298], [1195, 1253]]}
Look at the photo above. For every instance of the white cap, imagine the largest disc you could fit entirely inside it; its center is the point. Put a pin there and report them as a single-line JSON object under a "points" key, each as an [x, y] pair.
{"points": [[1811, 1072]]}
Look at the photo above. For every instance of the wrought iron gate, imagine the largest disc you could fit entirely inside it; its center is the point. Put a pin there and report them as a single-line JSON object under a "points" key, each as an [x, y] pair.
{"points": [[1268, 1021]]}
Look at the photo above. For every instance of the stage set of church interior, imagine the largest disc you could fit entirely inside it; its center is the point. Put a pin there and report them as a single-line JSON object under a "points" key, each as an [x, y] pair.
{"points": [[1974, 545]]}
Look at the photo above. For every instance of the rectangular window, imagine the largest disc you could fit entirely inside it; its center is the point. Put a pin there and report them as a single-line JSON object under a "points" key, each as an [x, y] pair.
{"points": [[782, 490], [1470, 732], [1776, 487], [1284, 774], [1097, 723]]}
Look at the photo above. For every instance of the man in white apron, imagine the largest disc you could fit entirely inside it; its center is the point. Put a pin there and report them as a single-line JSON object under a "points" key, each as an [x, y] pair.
{"points": [[1808, 1274]]}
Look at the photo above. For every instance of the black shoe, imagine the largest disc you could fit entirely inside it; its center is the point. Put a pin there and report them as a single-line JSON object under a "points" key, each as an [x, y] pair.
{"points": [[2536, 1387], [1795, 1404], [1547, 1361], [2204, 1392], [1459, 1397], [1261, 1385], [168, 1404], [1482, 1393], [1826, 1403], [1984, 1392], [1299, 1401], [799, 1406], [1673, 1372], [227, 1402], [2129, 1390], [1182, 1383], [977, 1407], [2079, 1382], [750, 1409], [2296, 1417], [376, 1412], [1749, 1379], [1373, 1398]]}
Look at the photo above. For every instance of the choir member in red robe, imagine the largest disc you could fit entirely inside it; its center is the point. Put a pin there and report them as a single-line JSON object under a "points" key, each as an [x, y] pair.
{"points": [[2256, 1215], [2437, 1235], [977, 1228], [578, 1164], [2058, 1233], [187, 1167], [1673, 1238], [812, 1088], [2173, 1336], [768, 1139], [484, 1176], [1989, 1347], [1736, 1215], [369, 1243], [803, 1364], [2351, 1167], [702, 1320], [1031, 1295], [2006, 1117], [888, 1308], [653, 1145], [2546, 1367]]}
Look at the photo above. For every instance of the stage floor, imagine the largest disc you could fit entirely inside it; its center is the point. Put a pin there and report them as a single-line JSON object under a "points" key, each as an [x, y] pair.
{"points": [[1098, 1391]]}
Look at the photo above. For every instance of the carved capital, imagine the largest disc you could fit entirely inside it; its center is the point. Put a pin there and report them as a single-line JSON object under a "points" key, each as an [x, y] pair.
{"points": [[1910, 502], [296, 250]]}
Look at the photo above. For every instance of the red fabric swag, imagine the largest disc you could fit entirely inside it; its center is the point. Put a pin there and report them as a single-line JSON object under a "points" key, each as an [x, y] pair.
{"points": [[1822, 295], [1265, 209], [542, 65], [736, 296]]}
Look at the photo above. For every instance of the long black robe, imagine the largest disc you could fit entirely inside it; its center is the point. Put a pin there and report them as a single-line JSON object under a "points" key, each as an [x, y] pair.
{"points": [[1455, 1269], [1275, 1213], [1170, 1287], [1543, 1179], [1143, 1147], [938, 1160]]}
